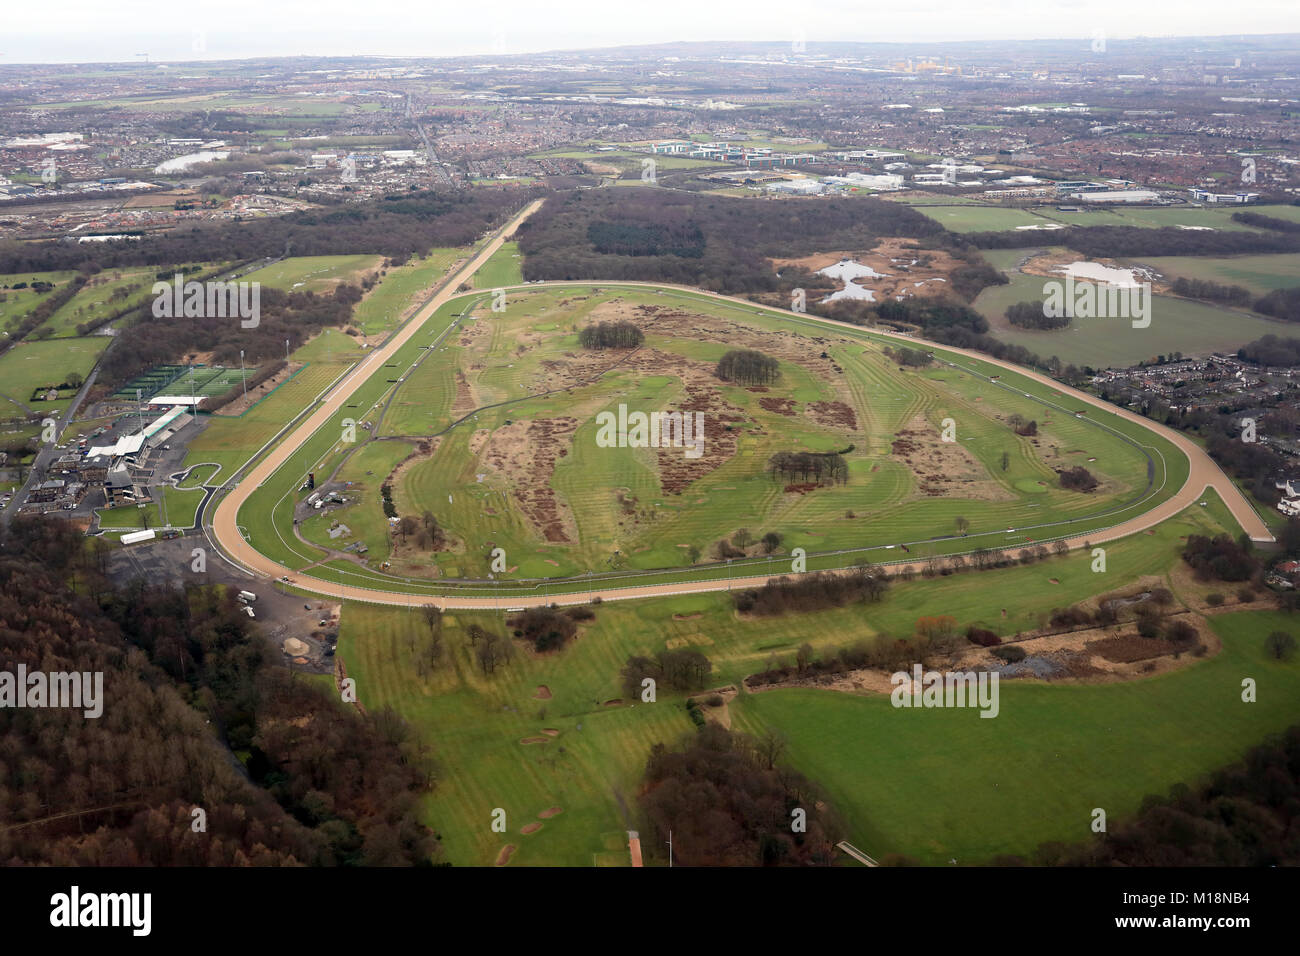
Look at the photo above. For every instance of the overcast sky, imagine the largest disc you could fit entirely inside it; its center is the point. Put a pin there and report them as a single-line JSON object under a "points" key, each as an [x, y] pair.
{"points": [[118, 30]]}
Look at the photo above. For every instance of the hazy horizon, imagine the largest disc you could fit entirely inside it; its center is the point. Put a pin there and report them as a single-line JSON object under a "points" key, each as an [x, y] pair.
{"points": [[81, 32]]}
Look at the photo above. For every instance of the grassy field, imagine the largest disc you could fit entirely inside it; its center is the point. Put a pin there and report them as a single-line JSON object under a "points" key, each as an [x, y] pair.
{"points": [[31, 365], [922, 785], [881, 493], [1183, 325], [502, 269], [987, 218], [942, 784], [402, 291], [315, 273], [17, 303], [1259, 274], [178, 506]]}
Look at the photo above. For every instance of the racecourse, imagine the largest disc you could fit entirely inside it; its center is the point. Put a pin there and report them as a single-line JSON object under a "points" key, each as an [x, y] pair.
{"points": [[225, 531]]}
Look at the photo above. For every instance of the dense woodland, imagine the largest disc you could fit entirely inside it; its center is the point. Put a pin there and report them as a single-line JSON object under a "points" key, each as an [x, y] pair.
{"points": [[729, 802], [296, 316], [187, 685], [713, 242], [397, 226], [1271, 350]]}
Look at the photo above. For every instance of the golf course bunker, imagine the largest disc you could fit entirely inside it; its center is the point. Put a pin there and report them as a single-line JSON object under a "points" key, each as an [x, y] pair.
{"points": [[504, 856], [551, 812], [534, 740], [543, 692], [530, 828]]}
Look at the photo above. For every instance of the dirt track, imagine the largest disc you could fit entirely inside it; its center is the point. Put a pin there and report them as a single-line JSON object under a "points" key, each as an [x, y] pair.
{"points": [[1203, 471]]}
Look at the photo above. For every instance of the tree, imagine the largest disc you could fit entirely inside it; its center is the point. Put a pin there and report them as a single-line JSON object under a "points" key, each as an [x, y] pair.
{"points": [[1280, 645], [962, 524], [407, 526], [693, 553], [771, 541], [1006, 460], [742, 538]]}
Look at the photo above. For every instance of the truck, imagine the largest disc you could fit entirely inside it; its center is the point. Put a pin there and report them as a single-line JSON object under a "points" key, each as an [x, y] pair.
{"points": [[247, 597], [249, 611], [135, 537]]}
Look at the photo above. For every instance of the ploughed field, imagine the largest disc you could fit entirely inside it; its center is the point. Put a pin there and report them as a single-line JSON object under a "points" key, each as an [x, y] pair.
{"points": [[519, 456]]}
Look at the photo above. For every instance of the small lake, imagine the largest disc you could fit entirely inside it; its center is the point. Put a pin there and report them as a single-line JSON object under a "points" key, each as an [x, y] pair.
{"points": [[846, 270]]}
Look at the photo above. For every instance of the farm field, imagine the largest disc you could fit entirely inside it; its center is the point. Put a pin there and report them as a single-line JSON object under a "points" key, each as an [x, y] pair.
{"points": [[924, 789], [31, 365]]}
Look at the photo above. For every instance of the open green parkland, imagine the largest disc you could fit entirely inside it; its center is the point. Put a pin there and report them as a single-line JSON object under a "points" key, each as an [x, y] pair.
{"points": [[931, 785]]}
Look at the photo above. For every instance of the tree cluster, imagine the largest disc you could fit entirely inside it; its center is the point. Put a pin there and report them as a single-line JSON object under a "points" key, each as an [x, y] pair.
{"points": [[728, 803], [1220, 558], [814, 592], [748, 367], [822, 468], [610, 335], [1032, 315], [683, 669]]}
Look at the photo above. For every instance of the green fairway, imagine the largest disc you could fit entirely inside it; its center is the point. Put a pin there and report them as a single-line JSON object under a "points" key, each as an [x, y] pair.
{"points": [[402, 291], [502, 269], [315, 273]]}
